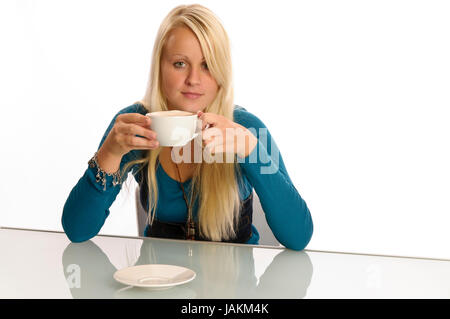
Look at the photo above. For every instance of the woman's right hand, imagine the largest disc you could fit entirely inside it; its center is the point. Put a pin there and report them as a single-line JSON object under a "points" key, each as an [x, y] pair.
{"points": [[122, 137]]}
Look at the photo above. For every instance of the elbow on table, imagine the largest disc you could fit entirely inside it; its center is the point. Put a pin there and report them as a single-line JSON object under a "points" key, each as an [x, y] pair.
{"points": [[301, 240], [302, 243], [74, 235]]}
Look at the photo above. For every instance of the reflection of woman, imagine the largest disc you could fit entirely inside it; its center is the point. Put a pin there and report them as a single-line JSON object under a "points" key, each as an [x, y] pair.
{"points": [[234, 272], [88, 271], [191, 71], [288, 276]]}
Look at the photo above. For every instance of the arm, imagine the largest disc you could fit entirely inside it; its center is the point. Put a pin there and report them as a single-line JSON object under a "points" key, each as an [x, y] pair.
{"points": [[286, 212], [87, 205]]}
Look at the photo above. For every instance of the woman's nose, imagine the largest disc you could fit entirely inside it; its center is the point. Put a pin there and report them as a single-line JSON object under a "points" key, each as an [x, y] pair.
{"points": [[193, 77]]}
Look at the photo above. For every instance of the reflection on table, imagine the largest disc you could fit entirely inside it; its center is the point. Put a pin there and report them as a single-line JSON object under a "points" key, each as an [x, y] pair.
{"points": [[223, 271], [42, 264]]}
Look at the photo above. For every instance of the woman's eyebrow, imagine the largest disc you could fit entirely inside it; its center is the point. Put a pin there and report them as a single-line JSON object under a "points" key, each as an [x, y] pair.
{"points": [[184, 56]]}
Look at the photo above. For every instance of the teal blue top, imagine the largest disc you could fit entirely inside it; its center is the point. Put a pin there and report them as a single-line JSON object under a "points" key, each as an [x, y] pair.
{"points": [[287, 214]]}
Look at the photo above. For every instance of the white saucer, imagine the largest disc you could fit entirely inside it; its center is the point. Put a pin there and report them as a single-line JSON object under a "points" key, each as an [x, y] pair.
{"points": [[154, 276]]}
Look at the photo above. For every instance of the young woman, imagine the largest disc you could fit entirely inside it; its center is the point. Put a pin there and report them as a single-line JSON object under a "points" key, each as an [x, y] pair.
{"points": [[191, 71]]}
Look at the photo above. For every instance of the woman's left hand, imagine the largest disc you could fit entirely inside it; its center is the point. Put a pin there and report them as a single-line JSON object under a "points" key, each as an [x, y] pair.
{"points": [[221, 135]]}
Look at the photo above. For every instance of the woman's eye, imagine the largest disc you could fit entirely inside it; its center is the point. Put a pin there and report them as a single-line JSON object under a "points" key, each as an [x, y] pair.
{"points": [[177, 64], [181, 64]]}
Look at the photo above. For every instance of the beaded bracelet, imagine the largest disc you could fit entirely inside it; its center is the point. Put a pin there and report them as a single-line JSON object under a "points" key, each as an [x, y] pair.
{"points": [[101, 174]]}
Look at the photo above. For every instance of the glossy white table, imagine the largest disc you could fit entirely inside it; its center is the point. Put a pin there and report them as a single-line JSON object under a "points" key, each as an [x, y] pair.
{"points": [[44, 264]]}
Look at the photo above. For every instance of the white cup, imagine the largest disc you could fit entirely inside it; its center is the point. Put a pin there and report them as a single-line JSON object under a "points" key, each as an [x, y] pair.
{"points": [[173, 128]]}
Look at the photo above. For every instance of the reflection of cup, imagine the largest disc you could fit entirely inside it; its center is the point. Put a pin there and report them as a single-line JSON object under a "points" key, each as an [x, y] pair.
{"points": [[173, 128]]}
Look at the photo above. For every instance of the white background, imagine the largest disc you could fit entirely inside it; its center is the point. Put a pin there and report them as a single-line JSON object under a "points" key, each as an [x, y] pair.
{"points": [[355, 93]]}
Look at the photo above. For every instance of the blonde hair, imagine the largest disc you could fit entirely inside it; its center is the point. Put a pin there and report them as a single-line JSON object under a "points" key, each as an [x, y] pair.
{"points": [[213, 184]]}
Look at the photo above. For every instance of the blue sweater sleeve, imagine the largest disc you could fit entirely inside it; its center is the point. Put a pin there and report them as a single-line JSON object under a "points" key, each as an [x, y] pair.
{"points": [[286, 212], [87, 205]]}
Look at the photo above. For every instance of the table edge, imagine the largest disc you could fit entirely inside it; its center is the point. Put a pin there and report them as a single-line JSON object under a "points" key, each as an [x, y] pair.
{"points": [[241, 245]]}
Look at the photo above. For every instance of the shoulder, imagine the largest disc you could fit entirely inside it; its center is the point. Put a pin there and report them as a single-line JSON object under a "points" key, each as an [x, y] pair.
{"points": [[246, 118]]}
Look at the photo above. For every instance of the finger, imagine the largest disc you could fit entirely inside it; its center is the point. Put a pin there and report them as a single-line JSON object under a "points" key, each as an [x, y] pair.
{"points": [[135, 118], [212, 143], [135, 142], [208, 119], [212, 132], [219, 147], [134, 129]]}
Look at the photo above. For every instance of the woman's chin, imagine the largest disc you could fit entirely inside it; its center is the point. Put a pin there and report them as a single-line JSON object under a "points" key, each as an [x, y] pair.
{"points": [[187, 108]]}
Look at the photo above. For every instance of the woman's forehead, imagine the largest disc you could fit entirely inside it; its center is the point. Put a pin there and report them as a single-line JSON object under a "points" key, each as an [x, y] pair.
{"points": [[183, 43]]}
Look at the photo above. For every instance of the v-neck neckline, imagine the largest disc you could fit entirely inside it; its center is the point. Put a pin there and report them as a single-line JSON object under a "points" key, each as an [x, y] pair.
{"points": [[170, 178]]}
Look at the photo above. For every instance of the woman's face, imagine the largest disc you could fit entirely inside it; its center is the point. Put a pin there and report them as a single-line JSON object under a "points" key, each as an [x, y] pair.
{"points": [[186, 81]]}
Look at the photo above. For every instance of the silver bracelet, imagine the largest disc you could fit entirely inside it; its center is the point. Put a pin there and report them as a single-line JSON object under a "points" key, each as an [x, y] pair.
{"points": [[101, 174]]}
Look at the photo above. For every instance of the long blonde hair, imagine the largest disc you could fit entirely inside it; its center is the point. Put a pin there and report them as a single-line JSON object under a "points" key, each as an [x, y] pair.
{"points": [[214, 184]]}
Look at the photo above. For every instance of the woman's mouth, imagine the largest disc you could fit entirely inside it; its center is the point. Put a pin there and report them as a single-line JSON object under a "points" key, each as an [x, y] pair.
{"points": [[191, 95]]}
